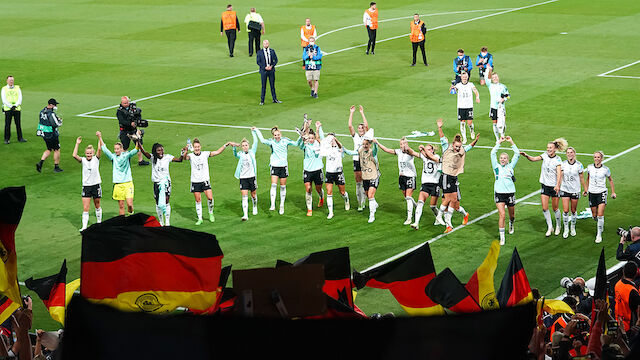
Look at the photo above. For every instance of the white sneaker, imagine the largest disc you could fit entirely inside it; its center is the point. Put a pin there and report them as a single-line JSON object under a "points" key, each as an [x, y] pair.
{"points": [[407, 222], [360, 207], [81, 230], [372, 218], [565, 234], [166, 223], [598, 239], [511, 228], [272, 208], [255, 211], [549, 232], [573, 230], [330, 216], [415, 226], [281, 212], [557, 230], [244, 218], [347, 206], [439, 220]]}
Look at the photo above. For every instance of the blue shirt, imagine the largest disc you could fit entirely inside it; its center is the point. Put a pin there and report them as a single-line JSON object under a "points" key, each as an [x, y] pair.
{"points": [[121, 165], [279, 149], [504, 173], [312, 57], [484, 60], [465, 62]]}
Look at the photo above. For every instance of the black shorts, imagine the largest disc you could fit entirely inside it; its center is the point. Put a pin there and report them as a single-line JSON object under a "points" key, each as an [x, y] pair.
{"points": [[53, 143], [313, 176], [92, 191], [465, 114], [366, 184], [597, 199], [574, 196], [549, 191], [405, 182], [431, 189], [356, 165], [493, 114], [200, 187], [509, 199], [156, 190], [280, 171], [450, 184], [335, 178], [248, 184]]}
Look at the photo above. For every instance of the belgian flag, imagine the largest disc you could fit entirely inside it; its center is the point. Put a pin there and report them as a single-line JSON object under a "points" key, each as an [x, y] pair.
{"points": [[406, 278], [481, 286], [12, 200], [150, 269], [515, 288], [52, 292], [448, 291]]}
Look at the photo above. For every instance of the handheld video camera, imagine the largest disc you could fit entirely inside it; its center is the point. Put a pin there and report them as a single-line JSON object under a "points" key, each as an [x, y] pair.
{"points": [[136, 113]]}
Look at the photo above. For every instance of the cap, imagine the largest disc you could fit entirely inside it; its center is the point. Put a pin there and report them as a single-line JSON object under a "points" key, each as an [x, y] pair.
{"points": [[53, 101]]}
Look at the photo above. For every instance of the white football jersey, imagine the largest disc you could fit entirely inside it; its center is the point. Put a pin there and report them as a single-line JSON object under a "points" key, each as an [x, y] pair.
{"points": [[548, 173], [465, 95], [91, 171], [160, 169], [598, 178], [406, 167], [571, 176], [334, 160], [199, 166], [246, 167], [430, 170], [357, 142]]}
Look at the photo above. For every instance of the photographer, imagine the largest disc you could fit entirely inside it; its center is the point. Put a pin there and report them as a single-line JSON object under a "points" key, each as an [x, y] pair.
{"points": [[576, 288], [461, 63], [631, 237], [130, 120]]}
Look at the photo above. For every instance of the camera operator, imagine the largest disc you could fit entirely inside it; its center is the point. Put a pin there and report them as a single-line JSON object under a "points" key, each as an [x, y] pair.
{"points": [[632, 238], [130, 120], [576, 288]]}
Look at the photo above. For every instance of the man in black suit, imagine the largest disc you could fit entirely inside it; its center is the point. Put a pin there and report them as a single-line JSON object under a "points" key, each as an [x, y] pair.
{"points": [[266, 59]]}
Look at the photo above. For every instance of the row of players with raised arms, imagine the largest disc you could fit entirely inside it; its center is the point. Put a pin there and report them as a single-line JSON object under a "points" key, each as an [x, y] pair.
{"points": [[558, 179]]}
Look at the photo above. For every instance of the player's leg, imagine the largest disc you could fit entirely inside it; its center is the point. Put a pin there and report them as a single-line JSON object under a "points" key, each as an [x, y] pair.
{"points": [[574, 216], [512, 216], [344, 193], [283, 193], [273, 192], [555, 205], [422, 197], [450, 199], [318, 182], [566, 206], [209, 194], [198, 197], [373, 204], [411, 203], [96, 204], [600, 221], [245, 204], [121, 210], [308, 198], [471, 128], [329, 187], [254, 197], [360, 195], [501, 220], [86, 204], [544, 200]]}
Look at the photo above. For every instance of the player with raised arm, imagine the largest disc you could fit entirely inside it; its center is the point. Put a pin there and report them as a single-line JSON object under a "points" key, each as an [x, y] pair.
{"points": [[368, 154], [91, 181], [247, 172], [597, 175], [278, 164], [122, 180], [465, 90], [200, 178], [504, 187], [497, 111], [572, 180], [407, 173], [312, 168], [430, 183], [357, 135], [550, 180], [161, 179], [335, 175]]}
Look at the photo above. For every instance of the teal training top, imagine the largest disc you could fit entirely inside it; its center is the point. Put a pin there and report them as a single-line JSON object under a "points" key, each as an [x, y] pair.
{"points": [[121, 165], [504, 174], [279, 149]]}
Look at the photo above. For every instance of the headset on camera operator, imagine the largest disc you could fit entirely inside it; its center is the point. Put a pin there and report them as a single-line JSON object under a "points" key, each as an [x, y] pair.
{"points": [[632, 238], [130, 121]]}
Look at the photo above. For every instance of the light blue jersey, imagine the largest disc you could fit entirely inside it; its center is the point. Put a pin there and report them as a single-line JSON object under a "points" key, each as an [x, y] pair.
{"points": [[279, 149], [504, 174], [121, 165], [247, 167], [312, 159], [496, 91]]}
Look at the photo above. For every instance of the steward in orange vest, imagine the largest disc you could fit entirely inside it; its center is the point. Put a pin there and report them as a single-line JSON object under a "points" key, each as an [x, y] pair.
{"points": [[229, 24], [370, 20], [417, 37], [306, 31], [627, 296]]}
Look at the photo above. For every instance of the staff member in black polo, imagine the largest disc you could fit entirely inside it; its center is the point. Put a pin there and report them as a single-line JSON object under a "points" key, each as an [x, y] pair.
{"points": [[127, 123], [266, 59]]}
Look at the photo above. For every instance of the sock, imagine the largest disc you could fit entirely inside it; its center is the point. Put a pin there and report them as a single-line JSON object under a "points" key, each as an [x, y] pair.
{"points": [[557, 214], [167, 215], [56, 166], [547, 217], [462, 211], [283, 194], [409, 207], [447, 216], [254, 201], [501, 231], [210, 204], [85, 219], [360, 191], [419, 211], [309, 200], [345, 197], [574, 217], [245, 205], [330, 203], [434, 209], [600, 225], [511, 221], [565, 219], [495, 131], [199, 210], [442, 210], [471, 128], [272, 194], [41, 162], [463, 130], [373, 206], [99, 215], [160, 215], [321, 194]]}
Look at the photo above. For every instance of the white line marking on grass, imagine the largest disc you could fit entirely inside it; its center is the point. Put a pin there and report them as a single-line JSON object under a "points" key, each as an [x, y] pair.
{"points": [[530, 203], [484, 216], [329, 53], [620, 76], [606, 74]]}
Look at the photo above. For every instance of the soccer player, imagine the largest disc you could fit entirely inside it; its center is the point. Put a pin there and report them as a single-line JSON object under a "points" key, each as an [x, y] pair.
{"points": [[504, 187], [312, 166], [368, 154], [91, 181], [484, 61], [550, 180], [335, 175], [407, 173], [452, 160], [572, 180], [161, 179], [597, 175], [370, 20], [122, 179], [430, 183], [246, 172], [465, 90], [497, 111], [200, 176], [278, 165], [357, 142]]}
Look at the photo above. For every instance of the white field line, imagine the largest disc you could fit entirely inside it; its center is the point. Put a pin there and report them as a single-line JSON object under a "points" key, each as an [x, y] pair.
{"points": [[483, 216], [620, 76], [328, 53], [293, 131], [606, 74]]}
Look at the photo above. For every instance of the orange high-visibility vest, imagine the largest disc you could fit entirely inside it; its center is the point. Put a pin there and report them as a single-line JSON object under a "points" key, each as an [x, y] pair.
{"points": [[307, 33], [623, 310], [229, 20], [416, 32], [374, 18]]}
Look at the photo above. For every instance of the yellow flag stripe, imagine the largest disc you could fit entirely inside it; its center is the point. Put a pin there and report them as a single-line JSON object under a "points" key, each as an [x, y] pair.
{"points": [[161, 301]]}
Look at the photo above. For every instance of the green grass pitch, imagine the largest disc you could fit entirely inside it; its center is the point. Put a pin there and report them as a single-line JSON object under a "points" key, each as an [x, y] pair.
{"points": [[87, 54]]}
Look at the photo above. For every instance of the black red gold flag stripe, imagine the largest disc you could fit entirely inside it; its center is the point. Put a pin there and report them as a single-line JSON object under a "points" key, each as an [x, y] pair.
{"points": [[448, 291], [515, 288], [12, 201], [52, 292]]}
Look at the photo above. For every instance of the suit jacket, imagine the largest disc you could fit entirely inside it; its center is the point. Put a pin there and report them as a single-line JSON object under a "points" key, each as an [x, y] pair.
{"points": [[262, 61]]}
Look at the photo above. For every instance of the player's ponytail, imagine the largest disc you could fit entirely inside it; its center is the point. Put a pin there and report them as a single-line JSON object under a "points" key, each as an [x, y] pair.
{"points": [[457, 138], [560, 144]]}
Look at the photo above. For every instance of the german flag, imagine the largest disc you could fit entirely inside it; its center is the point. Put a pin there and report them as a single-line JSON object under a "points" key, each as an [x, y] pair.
{"points": [[600, 291], [406, 278], [481, 286], [12, 200], [515, 288], [150, 269], [141, 219], [337, 272], [448, 291], [52, 292], [7, 307]]}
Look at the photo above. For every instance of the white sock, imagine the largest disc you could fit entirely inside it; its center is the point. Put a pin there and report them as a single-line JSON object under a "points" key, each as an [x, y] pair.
{"points": [[245, 205], [600, 225], [463, 130], [360, 190], [471, 128], [547, 217], [99, 215], [283, 194], [199, 210], [565, 219], [254, 201], [272, 194], [574, 218], [85, 219], [557, 214], [330, 203], [321, 194], [409, 200], [309, 199], [501, 231], [167, 215], [159, 213], [447, 216], [495, 131], [419, 211], [373, 206], [434, 209], [442, 210], [345, 197], [210, 204], [462, 211]]}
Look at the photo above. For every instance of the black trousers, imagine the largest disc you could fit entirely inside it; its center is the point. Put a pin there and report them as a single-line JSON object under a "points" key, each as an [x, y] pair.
{"points": [[372, 39], [271, 76], [254, 39], [415, 51], [15, 115], [231, 39]]}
